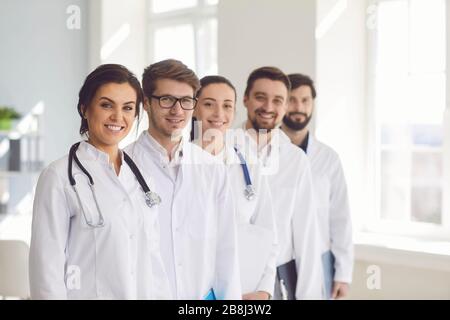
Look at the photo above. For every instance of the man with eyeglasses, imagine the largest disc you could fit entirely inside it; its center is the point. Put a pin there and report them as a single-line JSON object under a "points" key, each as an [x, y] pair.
{"points": [[196, 212]]}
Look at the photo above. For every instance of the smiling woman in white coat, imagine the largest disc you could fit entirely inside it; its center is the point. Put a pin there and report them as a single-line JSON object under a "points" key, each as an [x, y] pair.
{"points": [[95, 232], [257, 241]]}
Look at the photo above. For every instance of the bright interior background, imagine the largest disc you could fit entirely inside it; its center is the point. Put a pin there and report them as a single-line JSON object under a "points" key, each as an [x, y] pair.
{"points": [[381, 73]]}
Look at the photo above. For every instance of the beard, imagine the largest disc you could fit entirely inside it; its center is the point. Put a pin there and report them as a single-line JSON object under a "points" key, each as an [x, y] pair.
{"points": [[296, 125], [258, 126]]}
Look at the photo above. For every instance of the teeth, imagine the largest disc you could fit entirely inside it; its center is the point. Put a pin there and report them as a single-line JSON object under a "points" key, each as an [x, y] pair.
{"points": [[114, 128], [174, 120], [216, 123], [266, 115]]}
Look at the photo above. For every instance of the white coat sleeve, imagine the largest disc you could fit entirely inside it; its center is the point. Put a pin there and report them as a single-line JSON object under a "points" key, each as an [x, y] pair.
{"points": [[265, 218], [50, 229], [228, 282], [340, 225], [306, 238]]}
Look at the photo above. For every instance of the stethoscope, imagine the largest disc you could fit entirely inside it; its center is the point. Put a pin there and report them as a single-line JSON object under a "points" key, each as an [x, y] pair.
{"points": [[249, 191], [151, 198]]}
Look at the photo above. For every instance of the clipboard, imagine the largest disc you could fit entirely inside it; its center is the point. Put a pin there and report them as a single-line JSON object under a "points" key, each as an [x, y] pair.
{"points": [[328, 261], [287, 277], [210, 295]]}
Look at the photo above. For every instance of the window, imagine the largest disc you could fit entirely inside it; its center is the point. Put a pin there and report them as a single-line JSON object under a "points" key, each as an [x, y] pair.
{"points": [[185, 30], [409, 98]]}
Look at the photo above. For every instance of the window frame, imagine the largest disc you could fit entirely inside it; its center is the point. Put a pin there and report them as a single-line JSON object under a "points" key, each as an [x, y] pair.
{"points": [[372, 221], [195, 15]]}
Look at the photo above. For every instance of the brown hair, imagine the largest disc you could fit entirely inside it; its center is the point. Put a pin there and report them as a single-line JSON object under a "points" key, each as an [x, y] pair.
{"points": [[298, 80], [104, 74], [271, 73], [207, 80], [168, 69]]}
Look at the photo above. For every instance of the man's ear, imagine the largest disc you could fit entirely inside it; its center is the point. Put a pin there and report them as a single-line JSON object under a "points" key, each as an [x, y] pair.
{"points": [[147, 104], [245, 100]]}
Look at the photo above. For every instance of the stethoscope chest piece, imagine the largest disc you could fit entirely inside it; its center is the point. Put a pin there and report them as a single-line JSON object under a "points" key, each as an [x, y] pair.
{"points": [[152, 199], [249, 192]]}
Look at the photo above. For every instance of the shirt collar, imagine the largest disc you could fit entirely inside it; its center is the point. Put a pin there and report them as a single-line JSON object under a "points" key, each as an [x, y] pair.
{"points": [[304, 144], [152, 145], [278, 139], [87, 151]]}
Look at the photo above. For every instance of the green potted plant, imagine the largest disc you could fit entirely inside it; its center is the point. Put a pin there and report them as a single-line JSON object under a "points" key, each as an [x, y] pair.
{"points": [[7, 115]]}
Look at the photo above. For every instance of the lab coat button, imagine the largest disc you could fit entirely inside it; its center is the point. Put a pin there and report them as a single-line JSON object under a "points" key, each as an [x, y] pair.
{"points": [[131, 236]]}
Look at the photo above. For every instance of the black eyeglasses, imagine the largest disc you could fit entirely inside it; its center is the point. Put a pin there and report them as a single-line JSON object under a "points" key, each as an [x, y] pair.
{"points": [[168, 102]]}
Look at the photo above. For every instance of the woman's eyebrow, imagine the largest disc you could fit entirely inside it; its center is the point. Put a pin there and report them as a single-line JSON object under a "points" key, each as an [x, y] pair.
{"points": [[112, 101], [105, 98]]}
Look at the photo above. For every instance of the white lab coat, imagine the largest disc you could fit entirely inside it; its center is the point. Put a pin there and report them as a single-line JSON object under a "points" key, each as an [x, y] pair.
{"points": [[197, 218], [71, 260], [333, 207], [255, 218], [289, 176]]}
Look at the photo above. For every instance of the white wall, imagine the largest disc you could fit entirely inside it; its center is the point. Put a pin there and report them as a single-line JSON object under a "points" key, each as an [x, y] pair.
{"points": [[109, 19], [341, 106], [120, 30], [256, 33], [42, 60]]}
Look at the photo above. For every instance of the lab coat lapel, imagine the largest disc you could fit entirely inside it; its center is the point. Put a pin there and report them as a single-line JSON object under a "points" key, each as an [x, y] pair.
{"points": [[184, 173], [312, 145]]}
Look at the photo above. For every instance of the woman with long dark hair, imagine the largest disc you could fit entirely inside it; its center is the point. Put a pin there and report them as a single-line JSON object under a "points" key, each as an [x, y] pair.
{"points": [[95, 232]]}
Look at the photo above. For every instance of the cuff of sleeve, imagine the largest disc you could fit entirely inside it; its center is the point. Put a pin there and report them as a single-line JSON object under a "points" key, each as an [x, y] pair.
{"points": [[267, 284], [342, 276]]}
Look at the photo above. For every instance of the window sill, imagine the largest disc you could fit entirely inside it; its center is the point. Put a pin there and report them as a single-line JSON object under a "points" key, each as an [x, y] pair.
{"points": [[402, 251]]}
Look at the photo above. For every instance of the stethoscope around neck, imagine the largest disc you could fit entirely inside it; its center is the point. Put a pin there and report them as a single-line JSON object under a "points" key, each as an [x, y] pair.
{"points": [[249, 191], [151, 198]]}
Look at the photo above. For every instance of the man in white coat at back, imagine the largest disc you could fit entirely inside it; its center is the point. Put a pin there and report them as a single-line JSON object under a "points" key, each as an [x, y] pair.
{"points": [[331, 190], [289, 176]]}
